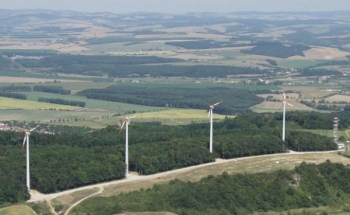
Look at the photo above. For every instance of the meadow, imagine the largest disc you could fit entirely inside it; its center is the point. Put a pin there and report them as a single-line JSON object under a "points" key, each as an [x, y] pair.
{"points": [[16, 210], [17, 104]]}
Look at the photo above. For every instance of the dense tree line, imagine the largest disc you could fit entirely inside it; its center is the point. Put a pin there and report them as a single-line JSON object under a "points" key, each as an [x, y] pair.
{"points": [[276, 49], [125, 66], [16, 89], [308, 185], [62, 101], [51, 89], [67, 160], [13, 95], [236, 101], [316, 120]]}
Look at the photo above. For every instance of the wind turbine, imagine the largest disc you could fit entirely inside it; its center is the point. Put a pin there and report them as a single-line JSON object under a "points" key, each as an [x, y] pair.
{"points": [[126, 122], [26, 138], [284, 115], [210, 114]]}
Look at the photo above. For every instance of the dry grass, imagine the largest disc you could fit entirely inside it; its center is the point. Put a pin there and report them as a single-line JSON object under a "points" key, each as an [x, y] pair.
{"points": [[310, 92], [273, 106], [148, 213], [68, 200], [243, 165], [338, 98], [323, 53], [17, 210]]}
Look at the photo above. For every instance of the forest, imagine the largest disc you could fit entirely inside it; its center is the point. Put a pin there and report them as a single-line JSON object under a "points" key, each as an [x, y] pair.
{"points": [[276, 49], [308, 185], [63, 161], [62, 101], [126, 66], [51, 89], [236, 101], [15, 89], [13, 95]]}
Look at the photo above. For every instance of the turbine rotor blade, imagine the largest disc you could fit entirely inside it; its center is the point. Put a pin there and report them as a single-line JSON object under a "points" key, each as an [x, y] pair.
{"points": [[24, 140], [290, 104], [33, 128], [121, 127], [217, 103]]}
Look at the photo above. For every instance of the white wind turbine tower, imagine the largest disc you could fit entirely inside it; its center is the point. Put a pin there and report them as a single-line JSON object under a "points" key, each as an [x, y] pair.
{"points": [[26, 138], [210, 114], [126, 122], [284, 115]]}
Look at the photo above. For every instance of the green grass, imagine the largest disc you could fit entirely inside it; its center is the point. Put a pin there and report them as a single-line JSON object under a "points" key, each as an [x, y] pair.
{"points": [[329, 133], [9, 103], [173, 84], [93, 103], [178, 114], [17, 210], [48, 115]]}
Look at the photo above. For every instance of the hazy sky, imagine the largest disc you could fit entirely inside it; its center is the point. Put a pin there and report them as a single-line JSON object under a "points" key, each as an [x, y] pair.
{"points": [[178, 6]]}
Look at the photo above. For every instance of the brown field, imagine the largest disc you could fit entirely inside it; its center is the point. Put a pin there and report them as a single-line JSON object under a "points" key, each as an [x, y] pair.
{"points": [[309, 92], [323, 53], [338, 98], [290, 96]]}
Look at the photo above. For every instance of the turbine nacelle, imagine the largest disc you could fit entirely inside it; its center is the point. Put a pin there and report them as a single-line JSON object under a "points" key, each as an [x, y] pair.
{"points": [[211, 107], [26, 135], [126, 120]]}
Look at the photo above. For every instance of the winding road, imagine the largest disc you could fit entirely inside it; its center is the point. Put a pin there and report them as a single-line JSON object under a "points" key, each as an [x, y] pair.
{"points": [[38, 197]]}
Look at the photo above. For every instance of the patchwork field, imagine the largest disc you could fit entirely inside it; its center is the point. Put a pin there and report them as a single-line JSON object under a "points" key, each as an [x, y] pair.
{"points": [[338, 98], [277, 106], [323, 53], [17, 104], [5, 79]]}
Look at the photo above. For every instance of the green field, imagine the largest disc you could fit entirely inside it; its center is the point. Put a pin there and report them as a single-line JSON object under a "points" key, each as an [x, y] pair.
{"points": [[93, 103], [165, 117], [17, 210], [18, 104]]}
